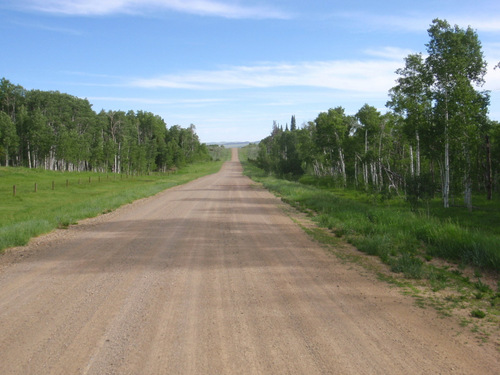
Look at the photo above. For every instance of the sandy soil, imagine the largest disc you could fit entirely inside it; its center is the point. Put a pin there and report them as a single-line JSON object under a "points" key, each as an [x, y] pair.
{"points": [[212, 277]]}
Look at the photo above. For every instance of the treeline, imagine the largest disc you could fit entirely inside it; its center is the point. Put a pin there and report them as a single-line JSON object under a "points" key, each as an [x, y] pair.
{"points": [[437, 139], [57, 131]]}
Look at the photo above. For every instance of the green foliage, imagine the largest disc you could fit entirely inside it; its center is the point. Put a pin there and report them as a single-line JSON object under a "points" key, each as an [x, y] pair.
{"points": [[57, 131], [218, 153], [437, 142], [8, 136], [278, 154], [419, 189], [401, 237]]}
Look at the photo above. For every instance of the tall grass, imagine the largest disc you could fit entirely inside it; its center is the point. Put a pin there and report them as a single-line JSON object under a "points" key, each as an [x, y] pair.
{"points": [[391, 230], [75, 196]]}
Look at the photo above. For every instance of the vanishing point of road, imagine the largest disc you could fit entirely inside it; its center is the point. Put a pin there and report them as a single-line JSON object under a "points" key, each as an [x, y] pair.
{"points": [[212, 277]]}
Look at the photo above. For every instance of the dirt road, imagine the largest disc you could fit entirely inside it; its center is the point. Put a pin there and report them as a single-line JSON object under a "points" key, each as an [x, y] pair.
{"points": [[211, 278]]}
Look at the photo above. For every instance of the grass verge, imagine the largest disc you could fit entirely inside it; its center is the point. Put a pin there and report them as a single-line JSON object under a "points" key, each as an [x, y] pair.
{"points": [[401, 237]]}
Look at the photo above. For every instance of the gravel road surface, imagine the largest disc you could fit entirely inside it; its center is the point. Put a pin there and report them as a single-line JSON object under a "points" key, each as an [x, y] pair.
{"points": [[212, 277]]}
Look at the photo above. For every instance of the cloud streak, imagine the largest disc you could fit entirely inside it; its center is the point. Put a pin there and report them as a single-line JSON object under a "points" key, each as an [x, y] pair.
{"points": [[419, 22], [160, 101], [43, 27], [369, 76], [218, 8]]}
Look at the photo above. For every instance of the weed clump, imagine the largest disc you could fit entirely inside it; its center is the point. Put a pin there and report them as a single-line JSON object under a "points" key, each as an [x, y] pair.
{"points": [[410, 266], [478, 314]]}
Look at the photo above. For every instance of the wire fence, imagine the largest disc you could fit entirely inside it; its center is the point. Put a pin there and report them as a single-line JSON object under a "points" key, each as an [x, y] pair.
{"points": [[57, 184]]}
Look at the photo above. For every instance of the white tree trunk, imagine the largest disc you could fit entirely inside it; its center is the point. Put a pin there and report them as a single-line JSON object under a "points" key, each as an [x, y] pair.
{"points": [[29, 155], [380, 173], [373, 170], [342, 167], [119, 157]]}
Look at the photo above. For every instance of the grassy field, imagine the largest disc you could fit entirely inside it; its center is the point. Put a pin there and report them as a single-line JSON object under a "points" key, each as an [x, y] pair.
{"points": [[63, 198]]}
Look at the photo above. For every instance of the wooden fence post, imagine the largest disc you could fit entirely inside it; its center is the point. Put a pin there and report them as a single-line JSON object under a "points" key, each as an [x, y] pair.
{"points": [[14, 190]]}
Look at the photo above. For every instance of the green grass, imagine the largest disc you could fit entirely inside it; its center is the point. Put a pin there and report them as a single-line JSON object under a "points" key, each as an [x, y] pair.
{"points": [[400, 236], [485, 216], [407, 241], [75, 196]]}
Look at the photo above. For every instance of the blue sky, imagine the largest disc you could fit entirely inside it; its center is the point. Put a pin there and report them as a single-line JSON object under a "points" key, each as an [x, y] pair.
{"points": [[231, 67]]}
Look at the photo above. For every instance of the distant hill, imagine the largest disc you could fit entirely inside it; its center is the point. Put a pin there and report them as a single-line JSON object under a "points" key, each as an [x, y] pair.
{"points": [[231, 144]]}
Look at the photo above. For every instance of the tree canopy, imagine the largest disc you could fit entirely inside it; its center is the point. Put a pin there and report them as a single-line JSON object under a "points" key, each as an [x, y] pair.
{"points": [[437, 139], [57, 131]]}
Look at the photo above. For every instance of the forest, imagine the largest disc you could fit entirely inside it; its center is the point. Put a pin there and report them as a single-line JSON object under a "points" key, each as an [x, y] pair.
{"points": [[57, 131], [436, 138]]}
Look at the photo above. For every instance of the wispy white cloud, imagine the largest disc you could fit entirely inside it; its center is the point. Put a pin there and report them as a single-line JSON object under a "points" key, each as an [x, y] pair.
{"points": [[381, 21], [160, 101], [367, 76], [44, 27], [392, 53], [488, 23], [419, 22], [219, 8]]}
